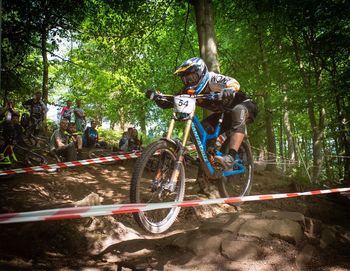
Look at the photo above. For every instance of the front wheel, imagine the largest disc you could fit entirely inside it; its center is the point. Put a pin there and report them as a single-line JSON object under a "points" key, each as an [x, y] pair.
{"points": [[238, 185], [151, 184]]}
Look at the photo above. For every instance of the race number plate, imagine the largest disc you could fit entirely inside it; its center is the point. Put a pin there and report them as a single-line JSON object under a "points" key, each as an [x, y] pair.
{"points": [[184, 104]]}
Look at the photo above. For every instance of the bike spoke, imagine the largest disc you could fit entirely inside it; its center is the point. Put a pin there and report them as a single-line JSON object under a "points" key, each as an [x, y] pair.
{"points": [[151, 184]]}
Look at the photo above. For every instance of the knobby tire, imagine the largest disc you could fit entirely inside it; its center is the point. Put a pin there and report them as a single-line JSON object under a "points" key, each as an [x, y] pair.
{"points": [[238, 185], [143, 188]]}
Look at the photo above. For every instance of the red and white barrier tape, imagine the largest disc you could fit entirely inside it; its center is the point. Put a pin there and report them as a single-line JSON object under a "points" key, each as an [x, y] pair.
{"points": [[71, 164], [102, 210], [77, 163]]}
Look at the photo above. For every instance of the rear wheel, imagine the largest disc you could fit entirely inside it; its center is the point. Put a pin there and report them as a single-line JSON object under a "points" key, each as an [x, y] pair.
{"points": [[238, 185], [151, 184]]}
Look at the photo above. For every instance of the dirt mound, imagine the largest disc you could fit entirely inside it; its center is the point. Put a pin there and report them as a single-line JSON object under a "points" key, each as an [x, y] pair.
{"points": [[306, 233]]}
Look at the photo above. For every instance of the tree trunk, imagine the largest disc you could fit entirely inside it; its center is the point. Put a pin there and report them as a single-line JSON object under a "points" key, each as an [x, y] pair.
{"points": [[281, 145], [206, 37], [266, 82], [143, 123], [206, 33], [208, 52], [288, 131], [344, 137], [45, 81], [317, 128]]}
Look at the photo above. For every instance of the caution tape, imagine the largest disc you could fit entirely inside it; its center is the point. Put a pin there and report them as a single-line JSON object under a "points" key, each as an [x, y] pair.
{"points": [[71, 164], [85, 162], [103, 210]]}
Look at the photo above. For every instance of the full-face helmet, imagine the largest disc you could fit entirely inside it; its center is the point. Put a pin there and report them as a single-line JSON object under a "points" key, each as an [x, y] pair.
{"points": [[194, 74]]}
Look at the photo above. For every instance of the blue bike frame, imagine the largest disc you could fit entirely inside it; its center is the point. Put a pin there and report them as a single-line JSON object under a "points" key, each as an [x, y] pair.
{"points": [[201, 137]]}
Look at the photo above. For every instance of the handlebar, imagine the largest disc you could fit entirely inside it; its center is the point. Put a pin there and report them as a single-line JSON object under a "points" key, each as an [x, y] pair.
{"points": [[212, 96]]}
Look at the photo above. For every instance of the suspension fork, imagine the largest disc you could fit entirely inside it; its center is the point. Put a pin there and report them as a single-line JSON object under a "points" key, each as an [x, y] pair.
{"points": [[181, 148]]}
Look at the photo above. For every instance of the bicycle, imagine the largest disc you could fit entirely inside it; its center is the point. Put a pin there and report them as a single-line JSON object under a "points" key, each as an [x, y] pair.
{"points": [[166, 182], [30, 125], [16, 156]]}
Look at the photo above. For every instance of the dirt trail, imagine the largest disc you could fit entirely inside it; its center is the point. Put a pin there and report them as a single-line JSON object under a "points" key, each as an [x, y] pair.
{"points": [[109, 243]]}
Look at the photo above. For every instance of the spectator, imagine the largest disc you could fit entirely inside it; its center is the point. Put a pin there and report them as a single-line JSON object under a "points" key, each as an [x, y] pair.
{"points": [[18, 131], [124, 142], [8, 131], [37, 110], [75, 136], [79, 117], [90, 138], [7, 111], [67, 111], [134, 142], [59, 143]]}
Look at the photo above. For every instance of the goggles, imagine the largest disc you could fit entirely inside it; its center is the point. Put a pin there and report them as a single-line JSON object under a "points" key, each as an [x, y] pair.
{"points": [[190, 79]]}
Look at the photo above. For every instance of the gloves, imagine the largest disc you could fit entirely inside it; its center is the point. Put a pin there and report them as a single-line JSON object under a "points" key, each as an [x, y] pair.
{"points": [[150, 93], [228, 94]]}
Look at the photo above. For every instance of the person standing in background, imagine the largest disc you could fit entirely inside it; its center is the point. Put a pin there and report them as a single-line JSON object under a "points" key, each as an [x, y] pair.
{"points": [[67, 111], [79, 117], [37, 110]]}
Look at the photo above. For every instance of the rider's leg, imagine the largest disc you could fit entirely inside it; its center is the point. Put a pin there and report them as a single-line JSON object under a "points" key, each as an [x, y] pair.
{"points": [[236, 140], [236, 121]]}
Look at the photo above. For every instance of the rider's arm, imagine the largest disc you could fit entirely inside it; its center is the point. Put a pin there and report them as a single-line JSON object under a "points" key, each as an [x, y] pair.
{"points": [[228, 87], [160, 100], [233, 84]]}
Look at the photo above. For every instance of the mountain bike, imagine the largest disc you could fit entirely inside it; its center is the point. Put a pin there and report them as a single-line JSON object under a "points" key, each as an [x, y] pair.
{"points": [[166, 181], [30, 125], [16, 156]]}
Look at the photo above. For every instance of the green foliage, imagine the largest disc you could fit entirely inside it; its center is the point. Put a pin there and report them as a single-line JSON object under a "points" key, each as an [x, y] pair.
{"points": [[285, 54], [110, 136]]}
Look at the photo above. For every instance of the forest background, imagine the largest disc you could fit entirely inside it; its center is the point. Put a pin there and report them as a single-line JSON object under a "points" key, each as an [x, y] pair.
{"points": [[291, 56]]}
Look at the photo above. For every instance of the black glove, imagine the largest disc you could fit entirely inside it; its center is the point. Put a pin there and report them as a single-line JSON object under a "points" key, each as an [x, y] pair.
{"points": [[228, 94], [150, 94]]}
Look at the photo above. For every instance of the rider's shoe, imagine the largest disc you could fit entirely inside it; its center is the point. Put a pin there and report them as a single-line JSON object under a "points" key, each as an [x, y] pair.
{"points": [[227, 161]]}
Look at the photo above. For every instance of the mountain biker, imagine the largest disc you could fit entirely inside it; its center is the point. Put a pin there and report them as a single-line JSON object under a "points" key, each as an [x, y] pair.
{"points": [[237, 107], [37, 110]]}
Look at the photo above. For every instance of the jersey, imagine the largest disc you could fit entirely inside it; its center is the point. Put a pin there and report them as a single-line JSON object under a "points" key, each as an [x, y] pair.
{"points": [[217, 83]]}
